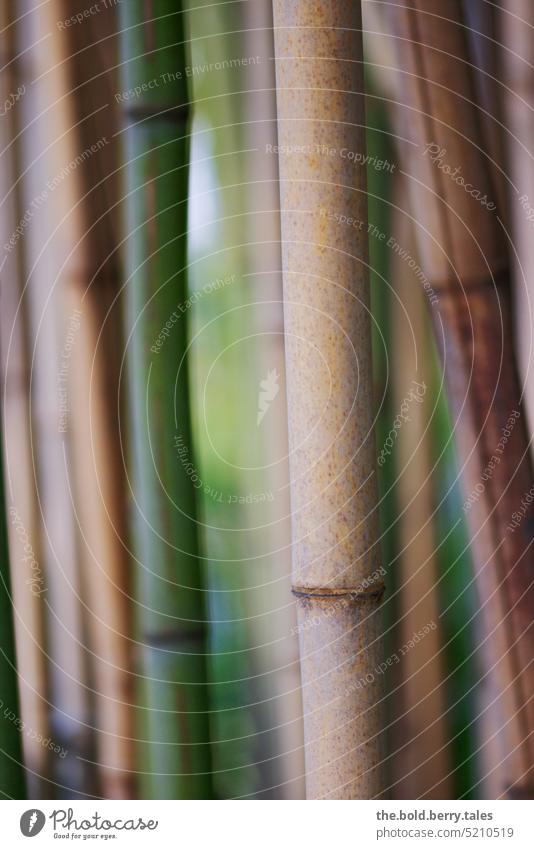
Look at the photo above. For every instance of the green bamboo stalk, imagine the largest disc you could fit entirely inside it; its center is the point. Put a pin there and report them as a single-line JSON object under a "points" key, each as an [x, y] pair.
{"points": [[244, 758], [12, 782], [174, 757]]}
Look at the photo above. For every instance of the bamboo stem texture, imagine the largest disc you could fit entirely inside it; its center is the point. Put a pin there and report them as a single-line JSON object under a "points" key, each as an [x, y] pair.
{"points": [[337, 579]]}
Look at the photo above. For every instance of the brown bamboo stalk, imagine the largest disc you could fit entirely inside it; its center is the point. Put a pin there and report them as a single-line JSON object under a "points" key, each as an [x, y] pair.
{"points": [[94, 389], [516, 22], [482, 27], [46, 145], [22, 516], [101, 554], [463, 254], [422, 765], [336, 576]]}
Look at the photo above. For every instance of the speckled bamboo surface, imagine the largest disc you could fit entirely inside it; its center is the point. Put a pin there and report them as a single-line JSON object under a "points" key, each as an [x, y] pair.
{"points": [[336, 570]]}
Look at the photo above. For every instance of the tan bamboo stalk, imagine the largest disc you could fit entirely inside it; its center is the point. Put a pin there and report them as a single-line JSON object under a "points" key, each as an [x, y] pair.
{"points": [[336, 576], [516, 21], [22, 513], [94, 390], [276, 617], [104, 593], [45, 150], [463, 255], [422, 765]]}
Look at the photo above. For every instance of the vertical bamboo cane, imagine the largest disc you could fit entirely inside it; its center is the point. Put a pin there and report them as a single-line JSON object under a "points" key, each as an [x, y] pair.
{"points": [[48, 198], [482, 28], [23, 525], [516, 24], [336, 576], [98, 473], [424, 766], [175, 762], [464, 257], [276, 630], [12, 784]]}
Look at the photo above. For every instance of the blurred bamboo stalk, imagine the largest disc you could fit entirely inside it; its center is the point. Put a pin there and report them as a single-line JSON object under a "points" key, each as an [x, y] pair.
{"points": [[12, 782], [336, 574], [422, 765], [94, 389], [276, 618], [482, 28], [174, 759], [23, 527], [463, 256], [516, 22], [49, 196]]}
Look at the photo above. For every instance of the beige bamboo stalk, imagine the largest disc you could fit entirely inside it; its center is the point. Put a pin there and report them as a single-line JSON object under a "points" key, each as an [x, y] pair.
{"points": [[336, 575], [101, 556], [46, 149], [22, 519], [94, 391], [276, 617], [463, 255], [423, 768]]}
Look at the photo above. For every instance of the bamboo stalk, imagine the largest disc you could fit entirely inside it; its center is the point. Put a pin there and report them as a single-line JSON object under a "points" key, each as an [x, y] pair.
{"points": [[12, 783], [464, 257], [94, 389], [423, 762], [48, 198], [244, 737], [23, 527], [516, 21], [336, 575], [174, 758], [482, 29], [276, 617]]}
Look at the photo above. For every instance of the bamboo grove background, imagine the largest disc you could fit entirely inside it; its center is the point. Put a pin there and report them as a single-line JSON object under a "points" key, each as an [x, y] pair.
{"points": [[267, 399]]}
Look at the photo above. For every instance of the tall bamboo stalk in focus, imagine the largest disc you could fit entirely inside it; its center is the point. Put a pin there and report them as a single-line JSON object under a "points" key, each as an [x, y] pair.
{"points": [[336, 567], [175, 760], [463, 255]]}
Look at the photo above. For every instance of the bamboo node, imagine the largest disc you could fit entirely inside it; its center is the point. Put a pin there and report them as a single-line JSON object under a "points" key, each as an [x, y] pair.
{"points": [[349, 595]]}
